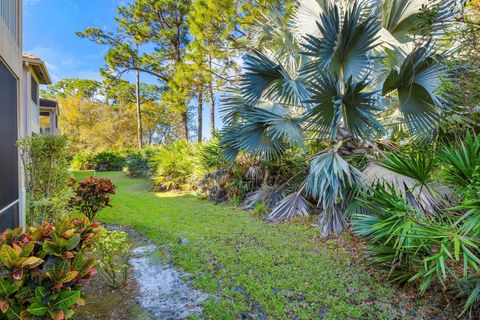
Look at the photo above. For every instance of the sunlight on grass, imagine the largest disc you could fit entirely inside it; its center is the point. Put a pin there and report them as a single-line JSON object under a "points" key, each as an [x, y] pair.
{"points": [[279, 271], [174, 194]]}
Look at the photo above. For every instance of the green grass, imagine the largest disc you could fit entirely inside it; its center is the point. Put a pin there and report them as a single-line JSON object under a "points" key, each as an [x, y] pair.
{"points": [[254, 269], [81, 175]]}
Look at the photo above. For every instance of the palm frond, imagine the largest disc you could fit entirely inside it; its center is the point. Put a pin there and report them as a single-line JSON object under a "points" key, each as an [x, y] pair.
{"points": [[264, 78], [403, 20], [291, 206], [462, 158], [356, 108], [347, 38], [329, 178], [263, 130], [427, 199], [418, 165], [268, 195], [307, 16], [417, 83], [272, 33]]}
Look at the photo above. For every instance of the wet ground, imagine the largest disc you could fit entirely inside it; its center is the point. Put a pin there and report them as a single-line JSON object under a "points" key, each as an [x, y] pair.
{"points": [[154, 290]]}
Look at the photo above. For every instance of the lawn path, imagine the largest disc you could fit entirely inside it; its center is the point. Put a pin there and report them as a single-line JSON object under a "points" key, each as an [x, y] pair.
{"points": [[257, 270]]}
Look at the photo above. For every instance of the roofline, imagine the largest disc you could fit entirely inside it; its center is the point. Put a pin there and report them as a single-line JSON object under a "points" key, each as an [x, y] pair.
{"points": [[43, 69]]}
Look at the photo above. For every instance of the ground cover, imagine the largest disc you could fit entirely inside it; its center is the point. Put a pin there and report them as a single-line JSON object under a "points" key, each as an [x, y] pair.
{"points": [[255, 270]]}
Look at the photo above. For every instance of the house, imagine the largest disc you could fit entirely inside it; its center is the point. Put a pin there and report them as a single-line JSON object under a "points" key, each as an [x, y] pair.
{"points": [[49, 116], [12, 203], [34, 73]]}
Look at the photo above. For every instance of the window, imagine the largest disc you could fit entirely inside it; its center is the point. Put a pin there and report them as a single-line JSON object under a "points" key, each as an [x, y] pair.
{"points": [[44, 122], [34, 90]]}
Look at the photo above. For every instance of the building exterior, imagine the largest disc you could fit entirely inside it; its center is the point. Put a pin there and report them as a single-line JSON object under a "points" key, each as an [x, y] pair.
{"points": [[49, 116], [34, 73], [12, 203]]}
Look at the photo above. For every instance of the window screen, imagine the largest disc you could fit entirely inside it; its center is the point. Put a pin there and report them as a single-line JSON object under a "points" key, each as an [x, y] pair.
{"points": [[34, 90], [8, 149]]}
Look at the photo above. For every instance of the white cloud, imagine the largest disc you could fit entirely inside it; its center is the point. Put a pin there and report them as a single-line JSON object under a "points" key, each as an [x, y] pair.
{"points": [[62, 65]]}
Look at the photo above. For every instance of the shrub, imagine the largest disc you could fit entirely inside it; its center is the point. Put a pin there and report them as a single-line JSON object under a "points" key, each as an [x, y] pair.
{"points": [[113, 251], [82, 161], [108, 161], [418, 248], [92, 195], [139, 162], [136, 165], [44, 268], [46, 169], [461, 158], [174, 166]]}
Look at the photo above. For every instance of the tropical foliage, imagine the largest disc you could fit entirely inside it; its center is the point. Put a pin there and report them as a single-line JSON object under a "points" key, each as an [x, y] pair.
{"points": [[331, 77], [174, 166], [92, 195], [424, 232], [43, 269]]}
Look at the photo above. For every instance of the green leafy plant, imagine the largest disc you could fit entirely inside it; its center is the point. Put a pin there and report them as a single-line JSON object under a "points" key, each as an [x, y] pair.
{"points": [[315, 79], [92, 195], [113, 252], [174, 166], [46, 177], [462, 158], [416, 248], [139, 162], [260, 208], [82, 161], [44, 268], [108, 161]]}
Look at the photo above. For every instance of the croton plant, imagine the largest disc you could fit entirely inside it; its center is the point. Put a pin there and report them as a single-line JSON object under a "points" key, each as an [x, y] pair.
{"points": [[43, 268], [92, 195]]}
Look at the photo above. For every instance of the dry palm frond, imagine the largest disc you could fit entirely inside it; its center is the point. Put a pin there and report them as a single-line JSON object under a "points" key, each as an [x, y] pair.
{"points": [[427, 199]]}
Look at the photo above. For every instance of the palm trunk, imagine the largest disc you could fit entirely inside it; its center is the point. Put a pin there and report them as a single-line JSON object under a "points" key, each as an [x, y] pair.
{"points": [[212, 99], [200, 112], [139, 111]]}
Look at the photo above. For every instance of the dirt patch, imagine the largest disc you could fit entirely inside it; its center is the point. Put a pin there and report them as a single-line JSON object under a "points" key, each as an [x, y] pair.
{"points": [[154, 290]]}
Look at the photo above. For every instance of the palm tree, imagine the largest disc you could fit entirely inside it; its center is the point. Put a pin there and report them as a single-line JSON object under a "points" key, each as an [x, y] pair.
{"points": [[329, 75]]}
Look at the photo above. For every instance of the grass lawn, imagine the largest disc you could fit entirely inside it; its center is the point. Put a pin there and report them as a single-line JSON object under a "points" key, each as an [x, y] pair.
{"points": [[257, 270]]}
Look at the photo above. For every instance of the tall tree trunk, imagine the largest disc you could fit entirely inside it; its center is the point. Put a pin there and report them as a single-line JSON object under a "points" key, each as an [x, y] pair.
{"points": [[139, 110], [212, 98], [185, 123], [200, 112]]}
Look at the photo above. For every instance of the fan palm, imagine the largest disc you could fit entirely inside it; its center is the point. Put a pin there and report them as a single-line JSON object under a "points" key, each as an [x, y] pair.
{"points": [[325, 76]]}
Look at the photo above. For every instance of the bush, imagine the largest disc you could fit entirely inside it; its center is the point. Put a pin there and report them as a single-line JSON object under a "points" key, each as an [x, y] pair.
{"points": [[108, 161], [113, 251], [418, 248], [44, 268], [175, 166], [139, 162], [82, 161], [46, 169], [92, 195]]}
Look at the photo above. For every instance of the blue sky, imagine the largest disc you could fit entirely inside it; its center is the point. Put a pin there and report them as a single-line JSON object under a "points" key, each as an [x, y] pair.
{"points": [[49, 33]]}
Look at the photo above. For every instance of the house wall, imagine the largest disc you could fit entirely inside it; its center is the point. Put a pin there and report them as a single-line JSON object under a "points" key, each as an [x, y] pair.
{"points": [[12, 205], [30, 108]]}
